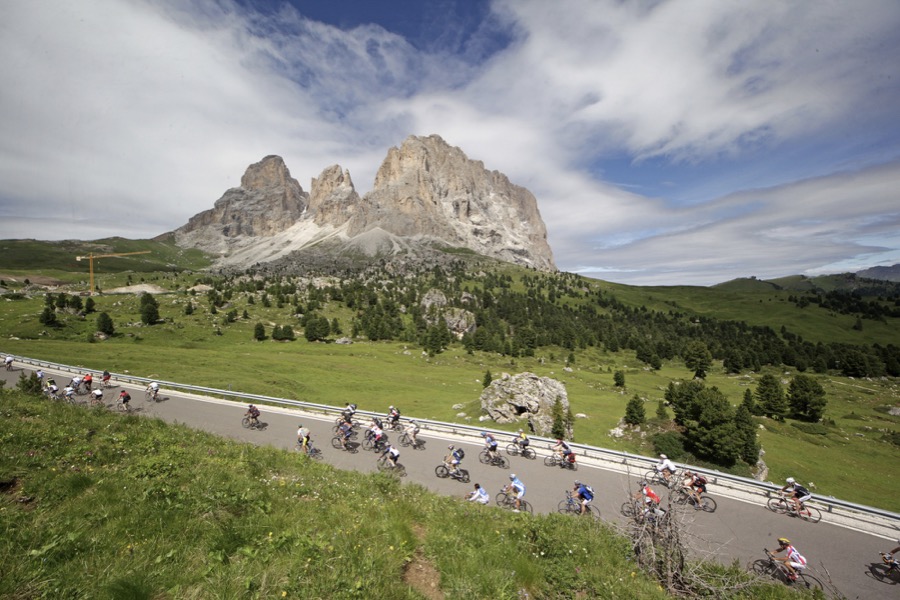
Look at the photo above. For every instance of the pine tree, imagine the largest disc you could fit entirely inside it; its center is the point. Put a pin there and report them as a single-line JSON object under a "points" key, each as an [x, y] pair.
{"points": [[661, 413], [619, 378], [105, 324], [697, 358], [259, 332], [770, 397], [149, 309], [189, 308], [750, 403], [634, 411], [89, 306], [558, 429], [487, 379], [806, 398], [746, 433], [48, 317]]}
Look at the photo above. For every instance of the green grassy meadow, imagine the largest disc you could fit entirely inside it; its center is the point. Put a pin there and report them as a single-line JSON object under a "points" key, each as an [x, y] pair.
{"points": [[99, 505]]}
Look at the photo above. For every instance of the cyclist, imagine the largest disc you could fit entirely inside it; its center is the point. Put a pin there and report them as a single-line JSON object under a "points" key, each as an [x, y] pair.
{"points": [[562, 450], [253, 413], [345, 432], [96, 396], [303, 438], [583, 492], [106, 378], [798, 493], [75, 383], [153, 389], [695, 484], [651, 499], [125, 397], [40, 376], [376, 433], [889, 557], [515, 487], [490, 444], [412, 430], [453, 460], [69, 393], [88, 381], [793, 560], [479, 495], [393, 415], [521, 440], [8, 362], [348, 413], [665, 467], [52, 389], [392, 454]]}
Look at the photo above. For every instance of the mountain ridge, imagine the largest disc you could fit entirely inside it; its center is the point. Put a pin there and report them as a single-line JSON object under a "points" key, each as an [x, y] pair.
{"points": [[427, 194]]}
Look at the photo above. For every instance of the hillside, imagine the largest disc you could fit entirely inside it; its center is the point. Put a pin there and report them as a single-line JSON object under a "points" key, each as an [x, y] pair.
{"points": [[99, 505]]}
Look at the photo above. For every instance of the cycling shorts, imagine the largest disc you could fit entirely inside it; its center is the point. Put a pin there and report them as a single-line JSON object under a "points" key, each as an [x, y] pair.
{"points": [[803, 498]]}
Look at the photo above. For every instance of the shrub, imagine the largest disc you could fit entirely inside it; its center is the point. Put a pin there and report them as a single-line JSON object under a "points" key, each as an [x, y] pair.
{"points": [[670, 443], [811, 428]]}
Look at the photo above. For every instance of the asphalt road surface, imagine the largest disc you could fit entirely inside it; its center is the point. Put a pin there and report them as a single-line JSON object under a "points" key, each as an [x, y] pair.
{"points": [[737, 530]]}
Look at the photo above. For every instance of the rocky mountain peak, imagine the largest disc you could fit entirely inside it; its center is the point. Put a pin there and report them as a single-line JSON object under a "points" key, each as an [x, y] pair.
{"points": [[426, 194]]}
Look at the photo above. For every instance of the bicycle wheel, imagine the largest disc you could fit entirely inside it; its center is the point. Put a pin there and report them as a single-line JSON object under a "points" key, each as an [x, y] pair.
{"points": [[810, 514], [628, 509], [512, 449], [315, 454], [442, 471], [808, 582], [572, 466], [383, 465], [245, 422], [549, 461], [707, 504], [503, 500], [529, 453], [762, 567], [483, 457], [368, 444], [404, 440], [567, 507], [121, 406], [336, 443], [463, 476], [777, 505], [594, 512], [400, 470]]}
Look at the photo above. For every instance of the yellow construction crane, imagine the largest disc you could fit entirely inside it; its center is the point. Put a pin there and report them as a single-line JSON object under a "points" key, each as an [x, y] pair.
{"points": [[91, 257]]}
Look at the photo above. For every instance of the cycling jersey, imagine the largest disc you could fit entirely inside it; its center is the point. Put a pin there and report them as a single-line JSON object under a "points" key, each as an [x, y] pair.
{"points": [[795, 557], [518, 485], [651, 494], [480, 495], [585, 492]]}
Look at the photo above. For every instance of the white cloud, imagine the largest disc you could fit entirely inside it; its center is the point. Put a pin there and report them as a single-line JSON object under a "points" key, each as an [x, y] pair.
{"points": [[132, 116]]}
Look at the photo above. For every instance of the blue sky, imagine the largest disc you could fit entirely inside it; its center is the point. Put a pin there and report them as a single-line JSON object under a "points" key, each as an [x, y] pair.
{"points": [[667, 142]]}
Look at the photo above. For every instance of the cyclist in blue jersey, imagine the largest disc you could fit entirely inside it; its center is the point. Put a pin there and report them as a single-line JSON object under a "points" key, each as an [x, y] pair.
{"points": [[584, 493], [515, 487]]}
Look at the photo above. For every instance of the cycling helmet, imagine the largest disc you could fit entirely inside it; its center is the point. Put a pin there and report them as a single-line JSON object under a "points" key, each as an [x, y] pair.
{"points": [[663, 456], [391, 407], [644, 483], [577, 483], [790, 480], [353, 406], [450, 447], [512, 476], [484, 434], [784, 541], [520, 431]]}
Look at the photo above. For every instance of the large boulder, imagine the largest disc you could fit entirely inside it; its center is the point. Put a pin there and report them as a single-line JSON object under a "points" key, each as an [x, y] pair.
{"points": [[524, 398]]}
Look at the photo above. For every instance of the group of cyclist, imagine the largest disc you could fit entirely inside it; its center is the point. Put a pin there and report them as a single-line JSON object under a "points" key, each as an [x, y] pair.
{"points": [[85, 384]]}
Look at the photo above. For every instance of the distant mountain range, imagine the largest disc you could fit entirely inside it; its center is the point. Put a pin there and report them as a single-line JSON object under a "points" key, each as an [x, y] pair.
{"points": [[428, 197]]}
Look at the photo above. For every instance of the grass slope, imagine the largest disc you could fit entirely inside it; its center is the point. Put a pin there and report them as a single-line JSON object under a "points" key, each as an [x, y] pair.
{"points": [[103, 506]]}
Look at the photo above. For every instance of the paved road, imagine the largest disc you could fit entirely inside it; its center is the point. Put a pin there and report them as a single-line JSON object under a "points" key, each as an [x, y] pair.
{"points": [[736, 530]]}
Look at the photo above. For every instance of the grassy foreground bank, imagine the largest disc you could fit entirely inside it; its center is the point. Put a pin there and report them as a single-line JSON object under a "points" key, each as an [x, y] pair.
{"points": [[97, 505]]}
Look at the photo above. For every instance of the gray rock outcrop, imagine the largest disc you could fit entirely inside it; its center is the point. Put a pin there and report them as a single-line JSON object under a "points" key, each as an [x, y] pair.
{"points": [[426, 195], [523, 397]]}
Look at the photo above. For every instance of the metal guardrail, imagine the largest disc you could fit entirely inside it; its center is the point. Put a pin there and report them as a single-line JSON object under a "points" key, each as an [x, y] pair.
{"points": [[605, 454]]}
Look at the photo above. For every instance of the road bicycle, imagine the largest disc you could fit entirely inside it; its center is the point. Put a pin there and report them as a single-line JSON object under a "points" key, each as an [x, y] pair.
{"points": [[514, 449], [384, 465], [443, 471], [151, 395], [249, 423], [684, 496], [657, 478], [887, 570], [348, 446], [783, 505], [370, 443], [572, 506], [406, 442], [394, 425], [496, 461], [637, 510], [770, 567], [311, 451], [95, 400], [122, 406], [508, 501], [555, 460]]}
